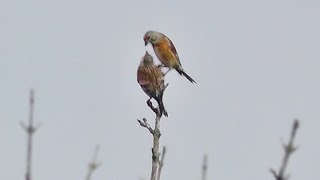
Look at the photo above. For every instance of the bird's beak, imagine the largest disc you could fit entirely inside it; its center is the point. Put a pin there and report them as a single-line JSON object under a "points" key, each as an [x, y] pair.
{"points": [[145, 43]]}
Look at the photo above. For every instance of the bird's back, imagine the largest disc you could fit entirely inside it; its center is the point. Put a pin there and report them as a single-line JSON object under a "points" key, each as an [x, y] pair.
{"points": [[150, 77], [167, 53]]}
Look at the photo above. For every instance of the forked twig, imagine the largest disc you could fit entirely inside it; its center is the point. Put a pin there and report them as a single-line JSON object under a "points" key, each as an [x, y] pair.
{"points": [[288, 150], [30, 129], [93, 165], [144, 123]]}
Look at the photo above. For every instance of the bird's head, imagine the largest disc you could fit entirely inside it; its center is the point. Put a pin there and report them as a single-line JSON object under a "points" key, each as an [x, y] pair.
{"points": [[146, 60], [151, 36]]}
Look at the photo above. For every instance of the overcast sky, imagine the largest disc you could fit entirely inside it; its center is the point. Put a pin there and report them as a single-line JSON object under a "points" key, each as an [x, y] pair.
{"points": [[256, 64]]}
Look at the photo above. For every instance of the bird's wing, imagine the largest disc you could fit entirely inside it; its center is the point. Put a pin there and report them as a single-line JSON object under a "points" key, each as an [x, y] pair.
{"points": [[150, 75], [143, 77], [173, 49], [151, 80], [157, 77]]}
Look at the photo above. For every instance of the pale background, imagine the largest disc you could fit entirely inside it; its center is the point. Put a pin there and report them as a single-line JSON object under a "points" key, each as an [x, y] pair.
{"points": [[256, 64]]}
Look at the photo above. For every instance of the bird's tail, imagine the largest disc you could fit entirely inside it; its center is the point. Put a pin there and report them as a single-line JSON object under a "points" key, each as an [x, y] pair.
{"points": [[161, 106], [162, 109], [181, 72]]}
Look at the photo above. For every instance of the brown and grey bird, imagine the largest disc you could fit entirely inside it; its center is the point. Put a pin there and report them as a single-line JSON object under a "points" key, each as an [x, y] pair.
{"points": [[165, 51], [151, 80]]}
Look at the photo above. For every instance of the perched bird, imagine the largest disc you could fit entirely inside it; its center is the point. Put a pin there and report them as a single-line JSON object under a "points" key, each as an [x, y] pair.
{"points": [[151, 80], [165, 51]]}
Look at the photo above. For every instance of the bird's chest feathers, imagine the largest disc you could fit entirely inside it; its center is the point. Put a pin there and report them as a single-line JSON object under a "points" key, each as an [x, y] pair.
{"points": [[165, 55]]}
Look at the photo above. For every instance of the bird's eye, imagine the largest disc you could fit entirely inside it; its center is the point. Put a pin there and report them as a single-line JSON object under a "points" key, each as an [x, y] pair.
{"points": [[146, 38]]}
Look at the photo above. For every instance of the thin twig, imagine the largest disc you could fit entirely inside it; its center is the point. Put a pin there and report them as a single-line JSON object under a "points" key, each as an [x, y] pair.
{"points": [[93, 165], [204, 167], [288, 150], [163, 154], [30, 129], [145, 124]]}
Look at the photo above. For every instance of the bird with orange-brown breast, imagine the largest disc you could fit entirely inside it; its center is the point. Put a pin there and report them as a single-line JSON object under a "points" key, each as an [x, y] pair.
{"points": [[151, 80], [165, 51]]}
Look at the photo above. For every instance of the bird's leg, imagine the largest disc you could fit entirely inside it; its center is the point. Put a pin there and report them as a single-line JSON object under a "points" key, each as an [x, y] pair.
{"points": [[166, 72], [149, 102], [155, 110], [161, 66]]}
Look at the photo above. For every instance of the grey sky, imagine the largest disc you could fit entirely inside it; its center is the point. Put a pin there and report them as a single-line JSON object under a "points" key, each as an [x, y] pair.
{"points": [[256, 64]]}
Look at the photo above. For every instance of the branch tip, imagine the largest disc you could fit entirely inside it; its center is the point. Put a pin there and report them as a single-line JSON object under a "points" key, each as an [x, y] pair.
{"points": [[145, 124], [274, 173], [289, 148], [94, 164]]}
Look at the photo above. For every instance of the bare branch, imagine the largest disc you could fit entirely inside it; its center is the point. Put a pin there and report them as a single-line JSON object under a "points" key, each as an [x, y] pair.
{"points": [[93, 165], [156, 164], [163, 154], [145, 124], [30, 129], [288, 150], [204, 167], [155, 148]]}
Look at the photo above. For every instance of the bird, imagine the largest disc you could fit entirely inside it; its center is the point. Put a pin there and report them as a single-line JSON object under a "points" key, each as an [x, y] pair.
{"points": [[151, 80], [165, 51]]}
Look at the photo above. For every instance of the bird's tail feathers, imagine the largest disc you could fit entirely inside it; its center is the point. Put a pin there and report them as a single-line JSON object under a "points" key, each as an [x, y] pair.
{"points": [[161, 105], [181, 72], [162, 109]]}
